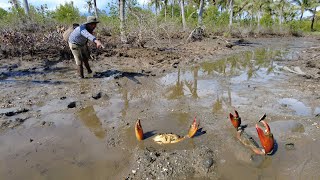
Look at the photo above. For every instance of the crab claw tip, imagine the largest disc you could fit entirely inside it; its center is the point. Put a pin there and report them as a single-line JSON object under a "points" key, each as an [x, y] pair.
{"points": [[194, 128], [263, 117], [138, 130]]}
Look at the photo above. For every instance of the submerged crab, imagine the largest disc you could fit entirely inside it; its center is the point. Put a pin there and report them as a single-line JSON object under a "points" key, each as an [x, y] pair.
{"points": [[166, 138], [266, 138]]}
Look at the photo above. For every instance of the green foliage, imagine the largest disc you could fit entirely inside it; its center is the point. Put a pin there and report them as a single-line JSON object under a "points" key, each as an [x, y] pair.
{"points": [[3, 13], [13, 17], [267, 21], [190, 12], [40, 14], [67, 13], [176, 11], [114, 10], [223, 19], [215, 20], [191, 15], [211, 15]]}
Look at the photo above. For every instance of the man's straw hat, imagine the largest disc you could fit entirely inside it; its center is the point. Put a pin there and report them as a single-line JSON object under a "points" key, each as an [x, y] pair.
{"points": [[91, 19]]}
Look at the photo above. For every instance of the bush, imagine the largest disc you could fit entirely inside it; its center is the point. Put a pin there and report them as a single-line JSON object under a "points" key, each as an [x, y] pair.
{"points": [[266, 21], [3, 13], [67, 13]]}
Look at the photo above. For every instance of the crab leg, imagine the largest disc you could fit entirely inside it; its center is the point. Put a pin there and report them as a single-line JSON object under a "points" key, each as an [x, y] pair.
{"points": [[138, 130], [248, 141], [266, 137]]}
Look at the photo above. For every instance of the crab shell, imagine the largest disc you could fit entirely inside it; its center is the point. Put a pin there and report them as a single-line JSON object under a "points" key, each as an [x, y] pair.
{"points": [[167, 138]]}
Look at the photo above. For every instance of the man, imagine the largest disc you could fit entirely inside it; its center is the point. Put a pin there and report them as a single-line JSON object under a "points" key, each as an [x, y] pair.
{"points": [[78, 43]]}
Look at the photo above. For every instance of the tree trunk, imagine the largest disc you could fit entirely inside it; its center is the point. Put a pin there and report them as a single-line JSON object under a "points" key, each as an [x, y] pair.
{"points": [[122, 21], [281, 15], [156, 3], [259, 16], [301, 15], [200, 12], [165, 9], [184, 26], [26, 7], [230, 13], [313, 18], [172, 10], [95, 8]]}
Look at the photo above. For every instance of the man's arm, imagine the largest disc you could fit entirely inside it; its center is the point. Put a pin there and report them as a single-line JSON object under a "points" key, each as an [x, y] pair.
{"points": [[87, 35], [91, 37]]}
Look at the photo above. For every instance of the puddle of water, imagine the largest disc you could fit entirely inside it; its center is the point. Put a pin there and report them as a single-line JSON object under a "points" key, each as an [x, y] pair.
{"points": [[217, 84], [89, 118], [299, 107], [279, 128], [283, 164], [67, 152], [255, 65], [175, 122]]}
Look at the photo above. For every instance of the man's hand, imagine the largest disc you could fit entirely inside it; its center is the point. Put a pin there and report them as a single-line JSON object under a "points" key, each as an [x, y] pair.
{"points": [[99, 44]]}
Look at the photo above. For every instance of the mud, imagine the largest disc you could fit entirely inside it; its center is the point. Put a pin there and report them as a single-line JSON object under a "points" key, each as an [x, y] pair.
{"points": [[56, 126]]}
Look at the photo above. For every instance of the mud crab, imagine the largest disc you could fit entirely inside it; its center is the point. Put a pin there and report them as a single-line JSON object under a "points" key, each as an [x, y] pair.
{"points": [[266, 137], [167, 138]]}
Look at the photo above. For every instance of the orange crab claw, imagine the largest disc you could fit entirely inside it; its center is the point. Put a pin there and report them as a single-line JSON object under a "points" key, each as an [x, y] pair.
{"points": [[194, 128], [138, 130], [266, 138], [235, 119]]}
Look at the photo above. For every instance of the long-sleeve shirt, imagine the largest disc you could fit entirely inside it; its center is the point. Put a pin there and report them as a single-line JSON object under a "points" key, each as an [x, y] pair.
{"points": [[80, 36]]}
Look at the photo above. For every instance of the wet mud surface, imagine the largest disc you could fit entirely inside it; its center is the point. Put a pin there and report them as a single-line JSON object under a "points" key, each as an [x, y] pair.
{"points": [[56, 126]]}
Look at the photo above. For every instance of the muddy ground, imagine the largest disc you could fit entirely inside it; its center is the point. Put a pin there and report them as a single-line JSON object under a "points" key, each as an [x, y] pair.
{"points": [[57, 126]]}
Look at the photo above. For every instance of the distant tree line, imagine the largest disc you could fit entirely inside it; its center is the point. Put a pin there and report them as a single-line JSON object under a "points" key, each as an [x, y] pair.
{"points": [[214, 15]]}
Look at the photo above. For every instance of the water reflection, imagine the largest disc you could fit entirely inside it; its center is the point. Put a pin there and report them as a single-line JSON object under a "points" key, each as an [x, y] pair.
{"points": [[175, 91], [249, 62], [217, 105], [216, 83], [89, 118], [193, 86]]}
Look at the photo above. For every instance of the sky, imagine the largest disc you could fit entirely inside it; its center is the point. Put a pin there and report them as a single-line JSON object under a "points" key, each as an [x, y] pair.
{"points": [[52, 4]]}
